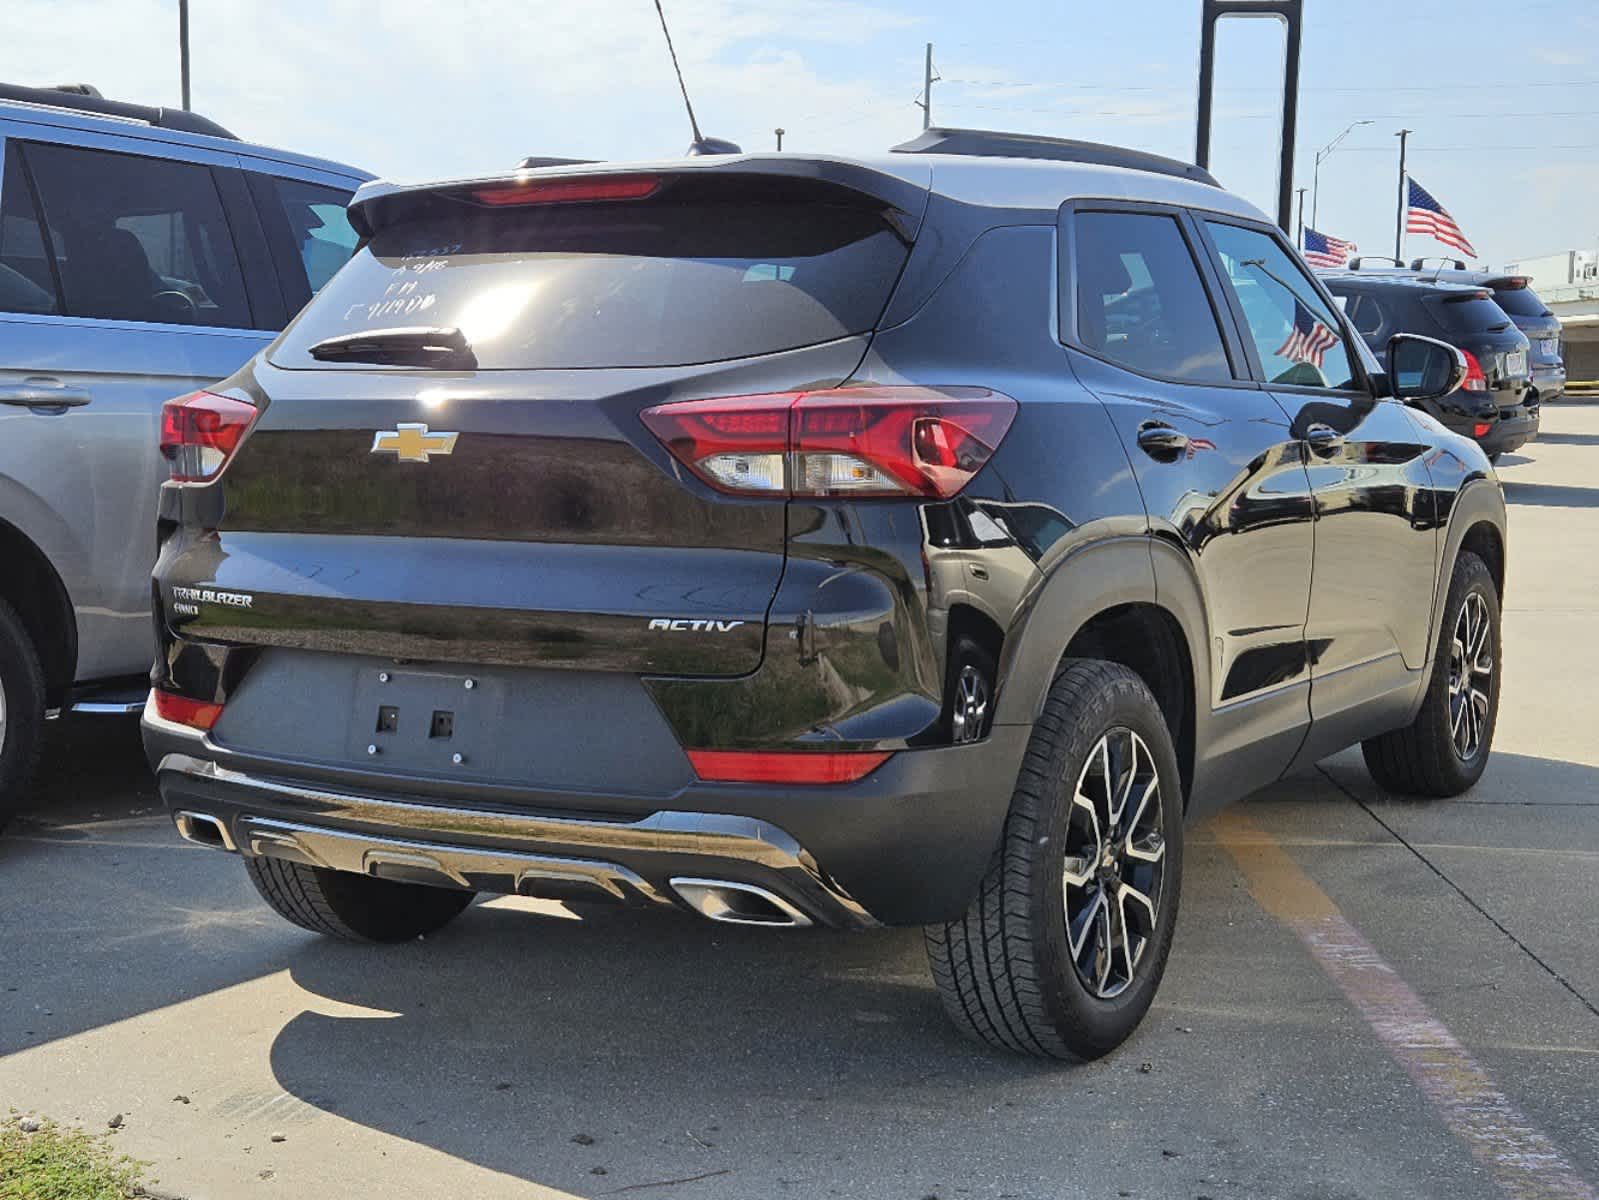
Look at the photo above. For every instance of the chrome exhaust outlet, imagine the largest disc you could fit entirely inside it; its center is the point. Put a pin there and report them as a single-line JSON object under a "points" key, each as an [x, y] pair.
{"points": [[204, 830], [738, 903]]}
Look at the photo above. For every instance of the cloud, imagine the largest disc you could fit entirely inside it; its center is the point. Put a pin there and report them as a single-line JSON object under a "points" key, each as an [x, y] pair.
{"points": [[415, 89]]}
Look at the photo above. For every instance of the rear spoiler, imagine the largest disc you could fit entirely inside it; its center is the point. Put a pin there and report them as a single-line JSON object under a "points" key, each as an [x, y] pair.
{"points": [[904, 200]]}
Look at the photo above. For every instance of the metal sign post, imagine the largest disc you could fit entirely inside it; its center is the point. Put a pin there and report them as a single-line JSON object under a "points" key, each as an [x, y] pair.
{"points": [[1290, 13]]}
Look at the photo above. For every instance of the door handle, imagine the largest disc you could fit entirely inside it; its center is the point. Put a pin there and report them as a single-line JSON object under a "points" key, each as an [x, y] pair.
{"points": [[1162, 441], [42, 392], [1323, 439]]}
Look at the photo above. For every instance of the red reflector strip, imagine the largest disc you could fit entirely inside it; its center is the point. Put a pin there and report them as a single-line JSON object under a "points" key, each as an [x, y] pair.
{"points": [[181, 710], [568, 191], [1480, 429], [785, 766]]}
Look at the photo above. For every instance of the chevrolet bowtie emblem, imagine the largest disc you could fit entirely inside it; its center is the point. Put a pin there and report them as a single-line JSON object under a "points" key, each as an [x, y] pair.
{"points": [[412, 442]]}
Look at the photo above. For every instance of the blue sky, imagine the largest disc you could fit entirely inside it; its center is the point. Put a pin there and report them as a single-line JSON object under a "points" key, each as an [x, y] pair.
{"points": [[1503, 97]]}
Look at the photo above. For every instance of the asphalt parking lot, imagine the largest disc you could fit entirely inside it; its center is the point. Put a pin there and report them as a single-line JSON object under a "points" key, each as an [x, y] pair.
{"points": [[1369, 997]]}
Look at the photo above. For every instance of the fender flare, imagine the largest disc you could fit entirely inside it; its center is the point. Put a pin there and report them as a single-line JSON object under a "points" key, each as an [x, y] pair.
{"points": [[1479, 501], [1098, 575]]}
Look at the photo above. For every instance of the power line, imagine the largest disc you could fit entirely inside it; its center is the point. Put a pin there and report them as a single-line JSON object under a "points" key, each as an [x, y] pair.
{"points": [[1097, 87]]}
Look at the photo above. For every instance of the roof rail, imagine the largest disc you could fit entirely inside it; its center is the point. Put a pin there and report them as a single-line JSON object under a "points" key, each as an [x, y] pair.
{"points": [[84, 97], [984, 143], [1354, 263], [1420, 264], [539, 160]]}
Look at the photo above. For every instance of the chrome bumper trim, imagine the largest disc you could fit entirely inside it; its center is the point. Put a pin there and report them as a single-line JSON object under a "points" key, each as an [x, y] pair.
{"points": [[524, 848]]}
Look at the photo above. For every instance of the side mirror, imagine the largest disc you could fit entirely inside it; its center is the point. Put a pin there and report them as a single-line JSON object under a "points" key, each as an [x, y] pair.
{"points": [[1423, 368]]}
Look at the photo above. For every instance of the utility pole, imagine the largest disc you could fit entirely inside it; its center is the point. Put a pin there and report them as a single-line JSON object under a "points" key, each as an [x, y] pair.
{"points": [[1399, 217], [1299, 238], [779, 132], [183, 49], [928, 79]]}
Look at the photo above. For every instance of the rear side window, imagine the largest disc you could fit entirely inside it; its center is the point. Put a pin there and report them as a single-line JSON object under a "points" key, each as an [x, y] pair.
{"points": [[1467, 312], [659, 282], [1520, 302], [26, 284], [138, 239], [318, 232], [1365, 313], [1299, 340], [1140, 301]]}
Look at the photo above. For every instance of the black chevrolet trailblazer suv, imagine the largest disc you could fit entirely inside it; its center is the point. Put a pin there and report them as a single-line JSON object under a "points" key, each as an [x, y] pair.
{"points": [[795, 540]]}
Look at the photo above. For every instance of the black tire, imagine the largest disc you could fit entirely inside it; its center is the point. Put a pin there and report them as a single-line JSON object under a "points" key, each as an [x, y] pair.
{"points": [[357, 908], [22, 700], [1005, 970], [1423, 759], [969, 691]]}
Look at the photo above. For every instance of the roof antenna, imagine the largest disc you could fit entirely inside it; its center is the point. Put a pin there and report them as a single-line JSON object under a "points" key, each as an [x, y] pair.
{"points": [[701, 144]]}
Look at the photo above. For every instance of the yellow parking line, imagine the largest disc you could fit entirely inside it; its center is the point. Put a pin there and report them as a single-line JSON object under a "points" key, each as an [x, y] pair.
{"points": [[1526, 1164]]}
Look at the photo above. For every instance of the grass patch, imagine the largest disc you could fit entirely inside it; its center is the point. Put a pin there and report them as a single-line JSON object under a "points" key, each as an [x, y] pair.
{"points": [[55, 1163]]}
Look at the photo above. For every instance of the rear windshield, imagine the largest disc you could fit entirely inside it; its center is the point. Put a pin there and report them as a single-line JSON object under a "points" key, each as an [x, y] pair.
{"points": [[1468, 313], [635, 284], [1520, 302]]}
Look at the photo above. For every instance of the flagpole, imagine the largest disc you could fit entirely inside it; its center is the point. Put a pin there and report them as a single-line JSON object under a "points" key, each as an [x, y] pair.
{"points": [[1399, 218]]}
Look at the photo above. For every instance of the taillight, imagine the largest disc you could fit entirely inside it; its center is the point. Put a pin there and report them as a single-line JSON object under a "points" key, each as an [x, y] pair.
{"points": [[181, 710], [785, 766], [200, 432], [868, 441], [1480, 429], [1476, 381], [568, 191]]}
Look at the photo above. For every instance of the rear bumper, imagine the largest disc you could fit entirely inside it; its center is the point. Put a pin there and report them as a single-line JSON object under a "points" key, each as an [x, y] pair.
{"points": [[1550, 382], [906, 845], [1504, 434]]}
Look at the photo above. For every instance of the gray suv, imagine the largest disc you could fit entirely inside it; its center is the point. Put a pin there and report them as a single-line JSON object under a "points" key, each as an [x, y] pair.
{"points": [[144, 253]]}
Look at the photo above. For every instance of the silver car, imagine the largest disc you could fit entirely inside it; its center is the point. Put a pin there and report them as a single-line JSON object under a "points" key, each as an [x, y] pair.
{"points": [[144, 253]]}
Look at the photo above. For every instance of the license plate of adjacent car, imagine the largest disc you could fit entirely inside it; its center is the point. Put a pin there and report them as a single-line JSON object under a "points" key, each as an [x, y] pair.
{"points": [[1549, 346], [1516, 362]]}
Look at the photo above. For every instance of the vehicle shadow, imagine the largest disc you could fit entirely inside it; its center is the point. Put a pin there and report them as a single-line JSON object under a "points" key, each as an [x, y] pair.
{"points": [[1549, 495], [1567, 439], [90, 768], [675, 1045]]}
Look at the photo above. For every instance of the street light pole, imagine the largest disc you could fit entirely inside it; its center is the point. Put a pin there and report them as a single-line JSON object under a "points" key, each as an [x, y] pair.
{"points": [[1299, 237], [183, 49], [779, 132], [1326, 152]]}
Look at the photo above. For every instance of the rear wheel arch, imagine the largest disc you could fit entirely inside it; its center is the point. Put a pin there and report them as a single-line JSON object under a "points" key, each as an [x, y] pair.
{"points": [[33, 588], [1476, 522], [1107, 601]]}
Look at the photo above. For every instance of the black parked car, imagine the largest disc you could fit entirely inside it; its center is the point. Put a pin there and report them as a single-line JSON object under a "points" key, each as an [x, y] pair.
{"points": [[1514, 294], [798, 540], [1497, 405]]}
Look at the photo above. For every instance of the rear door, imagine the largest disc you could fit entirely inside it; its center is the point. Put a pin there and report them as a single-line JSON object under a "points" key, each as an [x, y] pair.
{"points": [[127, 288], [1375, 539], [1220, 472], [509, 506]]}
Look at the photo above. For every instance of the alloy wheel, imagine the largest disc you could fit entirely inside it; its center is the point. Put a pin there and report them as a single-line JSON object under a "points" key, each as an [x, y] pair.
{"points": [[971, 705], [1115, 863], [1471, 668]]}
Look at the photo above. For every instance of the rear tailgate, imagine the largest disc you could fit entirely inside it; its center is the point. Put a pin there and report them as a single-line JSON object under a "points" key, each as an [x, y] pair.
{"points": [[512, 509]]}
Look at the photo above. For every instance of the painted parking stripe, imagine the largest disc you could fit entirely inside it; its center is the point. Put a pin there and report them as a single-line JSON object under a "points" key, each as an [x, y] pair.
{"points": [[1526, 1164]]}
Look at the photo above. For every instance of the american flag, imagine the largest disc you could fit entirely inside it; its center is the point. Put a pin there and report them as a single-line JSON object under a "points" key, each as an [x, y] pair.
{"points": [[1323, 250], [1426, 215], [1309, 340]]}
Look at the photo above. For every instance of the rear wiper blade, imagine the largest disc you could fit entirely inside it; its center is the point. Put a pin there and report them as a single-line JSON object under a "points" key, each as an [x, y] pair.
{"points": [[444, 346]]}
